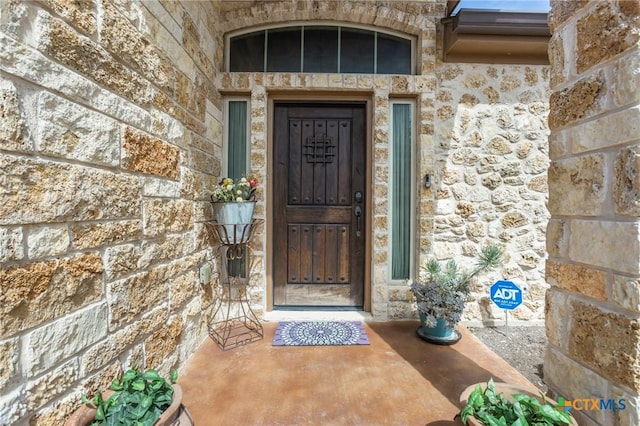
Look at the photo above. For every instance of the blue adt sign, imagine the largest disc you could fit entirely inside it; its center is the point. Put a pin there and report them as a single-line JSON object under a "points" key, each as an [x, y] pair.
{"points": [[506, 294]]}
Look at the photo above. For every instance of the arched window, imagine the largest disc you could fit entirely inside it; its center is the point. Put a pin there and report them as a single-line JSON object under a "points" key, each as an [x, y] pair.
{"points": [[320, 48]]}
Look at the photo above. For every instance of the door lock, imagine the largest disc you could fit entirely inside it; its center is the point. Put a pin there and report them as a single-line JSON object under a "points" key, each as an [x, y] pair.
{"points": [[358, 197]]}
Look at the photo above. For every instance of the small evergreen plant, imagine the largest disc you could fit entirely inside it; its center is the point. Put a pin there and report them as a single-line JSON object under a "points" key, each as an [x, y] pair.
{"points": [[442, 292]]}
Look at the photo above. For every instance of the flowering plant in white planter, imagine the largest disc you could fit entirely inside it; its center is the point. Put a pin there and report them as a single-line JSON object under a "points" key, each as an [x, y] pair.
{"points": [[229, 190], [233, 203]]}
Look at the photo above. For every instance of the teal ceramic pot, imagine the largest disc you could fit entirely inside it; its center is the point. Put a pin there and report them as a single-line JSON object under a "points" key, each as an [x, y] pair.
{"points": [[440, 334], [440, 330]]}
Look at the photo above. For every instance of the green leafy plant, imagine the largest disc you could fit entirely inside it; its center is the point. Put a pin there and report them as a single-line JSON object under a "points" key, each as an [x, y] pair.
{"points": [[441, 292], [492, 409], [138, 399]]}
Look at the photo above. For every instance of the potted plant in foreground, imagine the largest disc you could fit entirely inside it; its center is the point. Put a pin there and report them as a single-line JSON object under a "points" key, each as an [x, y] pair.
{"points": [[233, 203], [505, 404], [441, 294], [138, 398]]}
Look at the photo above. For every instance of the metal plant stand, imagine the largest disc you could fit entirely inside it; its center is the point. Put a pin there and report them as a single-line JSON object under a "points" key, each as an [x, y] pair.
{"points": [[234, 323]]}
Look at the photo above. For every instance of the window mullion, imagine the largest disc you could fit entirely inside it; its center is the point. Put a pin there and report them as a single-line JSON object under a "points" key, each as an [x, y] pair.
{"points": [[302, 48], [266, 44], [375, 52], [339, 44]]}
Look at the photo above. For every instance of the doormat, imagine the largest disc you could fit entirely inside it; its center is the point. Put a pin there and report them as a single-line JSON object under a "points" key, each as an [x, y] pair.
{"points": [[320, 333]]}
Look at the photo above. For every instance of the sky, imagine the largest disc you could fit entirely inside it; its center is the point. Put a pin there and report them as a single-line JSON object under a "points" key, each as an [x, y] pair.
{"points": [[512, 5]]}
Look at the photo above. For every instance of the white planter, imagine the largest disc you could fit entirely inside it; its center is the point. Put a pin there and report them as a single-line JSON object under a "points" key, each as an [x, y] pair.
{"points": [[234, 221]]}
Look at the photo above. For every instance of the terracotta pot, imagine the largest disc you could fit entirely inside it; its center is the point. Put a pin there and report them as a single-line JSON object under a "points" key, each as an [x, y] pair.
{"points": [[508, 390], [84, 415], [175, 415]]}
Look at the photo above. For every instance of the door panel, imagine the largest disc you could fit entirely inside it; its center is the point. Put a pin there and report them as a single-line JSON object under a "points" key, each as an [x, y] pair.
{"points": [[318, 240], [318, 253]]}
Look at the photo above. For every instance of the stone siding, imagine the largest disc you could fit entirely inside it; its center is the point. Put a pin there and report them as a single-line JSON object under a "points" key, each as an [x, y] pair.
{"points": [[490, 155], [108, 116], [593, 237], [112, 129]]}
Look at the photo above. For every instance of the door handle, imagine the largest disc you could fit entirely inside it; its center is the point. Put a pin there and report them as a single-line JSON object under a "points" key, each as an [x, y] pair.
{"points": [[358, 212]]}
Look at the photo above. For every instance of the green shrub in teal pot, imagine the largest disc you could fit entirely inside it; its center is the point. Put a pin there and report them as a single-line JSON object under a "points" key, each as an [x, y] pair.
{"points": [[441, 292]]}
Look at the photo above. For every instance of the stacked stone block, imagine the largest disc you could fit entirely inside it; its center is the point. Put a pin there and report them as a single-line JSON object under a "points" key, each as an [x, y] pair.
{"points": [[490, 155], [108, 138], [112, 130], [593, 238]]}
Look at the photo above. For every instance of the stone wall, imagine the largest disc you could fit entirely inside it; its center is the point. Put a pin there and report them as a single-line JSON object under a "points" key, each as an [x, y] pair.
{"points": [[110, 130], [491, 160], [593, 238]]}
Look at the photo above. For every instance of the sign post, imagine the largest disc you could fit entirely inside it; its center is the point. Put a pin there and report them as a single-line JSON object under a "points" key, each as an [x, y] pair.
{"points": [[506, 295]]}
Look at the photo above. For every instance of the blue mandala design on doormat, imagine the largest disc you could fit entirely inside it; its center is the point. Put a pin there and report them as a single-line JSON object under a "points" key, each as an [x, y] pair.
{"points": [[320, 333]]}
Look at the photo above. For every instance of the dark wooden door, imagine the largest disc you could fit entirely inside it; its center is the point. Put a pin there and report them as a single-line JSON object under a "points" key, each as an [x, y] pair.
{"points": [[319, 200]]}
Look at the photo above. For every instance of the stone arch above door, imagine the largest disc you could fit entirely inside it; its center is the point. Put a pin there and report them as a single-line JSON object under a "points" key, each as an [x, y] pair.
{"points": [[407, 17]]}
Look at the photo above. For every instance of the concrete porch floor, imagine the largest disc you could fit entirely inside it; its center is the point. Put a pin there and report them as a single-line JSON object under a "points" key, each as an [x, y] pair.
{"points": [[398, 379]]}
